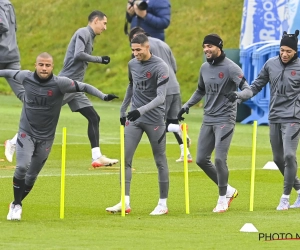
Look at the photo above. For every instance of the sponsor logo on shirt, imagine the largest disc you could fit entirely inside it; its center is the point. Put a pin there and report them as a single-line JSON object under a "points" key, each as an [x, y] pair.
{"points": [[221, 75]]}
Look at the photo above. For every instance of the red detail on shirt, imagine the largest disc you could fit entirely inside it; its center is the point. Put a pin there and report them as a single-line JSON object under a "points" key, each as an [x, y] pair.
{"points": [[241, 76], [293, 72], [49, 93], [126, 123], [23, 135], [221, 75], [148, 74], [72, 84]]}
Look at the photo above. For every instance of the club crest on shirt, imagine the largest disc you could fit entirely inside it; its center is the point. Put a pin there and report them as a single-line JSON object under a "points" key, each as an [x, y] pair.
{"points": [[49, 93], [221, 75], [148, 74], [293, 72]]}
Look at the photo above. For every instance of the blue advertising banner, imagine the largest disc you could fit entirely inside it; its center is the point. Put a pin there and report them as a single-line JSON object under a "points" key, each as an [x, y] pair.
{"points": [[265, 20]]}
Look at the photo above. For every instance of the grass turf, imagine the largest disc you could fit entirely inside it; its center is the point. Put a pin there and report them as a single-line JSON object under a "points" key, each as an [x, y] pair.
{"points": [[89, 192]]}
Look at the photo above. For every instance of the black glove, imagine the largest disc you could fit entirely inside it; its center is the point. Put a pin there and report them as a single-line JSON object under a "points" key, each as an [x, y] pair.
{"points": [[105, 59], [232, 96], [181, 112], [110, 97], [133, 115], [123, 120]]}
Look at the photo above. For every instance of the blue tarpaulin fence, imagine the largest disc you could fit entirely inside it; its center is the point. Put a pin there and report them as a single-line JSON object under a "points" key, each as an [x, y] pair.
{"points": [[252, 59]]}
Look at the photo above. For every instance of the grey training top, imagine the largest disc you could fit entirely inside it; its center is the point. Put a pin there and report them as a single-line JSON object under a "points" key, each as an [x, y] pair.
{"points": [[284, 89], [216, 80], [43, 99], [9, 51], [147, 89], [79, 54], [162, 50]]}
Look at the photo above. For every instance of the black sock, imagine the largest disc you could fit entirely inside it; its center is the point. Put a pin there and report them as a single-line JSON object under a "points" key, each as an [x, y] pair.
{"points": [[93, 124], [27, 190], [18, 186], [178, 138]]}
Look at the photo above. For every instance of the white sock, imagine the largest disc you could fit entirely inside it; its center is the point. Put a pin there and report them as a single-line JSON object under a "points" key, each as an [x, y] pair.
{"points": [[14, 139], [222, 199], [96, 153], [182, 149], [298, 191], [173, 128], [127, 200], [162, 202], [285, 196]]}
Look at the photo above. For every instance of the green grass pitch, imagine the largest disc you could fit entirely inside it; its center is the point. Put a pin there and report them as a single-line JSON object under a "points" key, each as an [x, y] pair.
{"points": [[88, 192]]}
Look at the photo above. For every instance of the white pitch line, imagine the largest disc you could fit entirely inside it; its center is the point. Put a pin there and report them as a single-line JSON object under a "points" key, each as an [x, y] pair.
{"points": [[116, 141], [117, 173]]}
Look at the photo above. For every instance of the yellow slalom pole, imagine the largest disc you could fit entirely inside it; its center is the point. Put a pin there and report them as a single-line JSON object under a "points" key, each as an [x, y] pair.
{"points": [[186, 173], [63, 173], [122, 135], [253, 165]]}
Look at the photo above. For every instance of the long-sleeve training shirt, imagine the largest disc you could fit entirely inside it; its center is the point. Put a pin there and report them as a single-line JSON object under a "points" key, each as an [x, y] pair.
{"points": [[216, 80], [78, 54], [9, 51], [284, 89], [162, 50], [43, 99], [147, 89]]}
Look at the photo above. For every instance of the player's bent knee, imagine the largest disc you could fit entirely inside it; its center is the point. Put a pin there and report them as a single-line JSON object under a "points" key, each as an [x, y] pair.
{"points": [[172, 121], [20, 171]]}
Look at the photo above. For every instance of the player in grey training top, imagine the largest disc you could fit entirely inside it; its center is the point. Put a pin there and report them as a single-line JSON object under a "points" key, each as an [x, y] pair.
{"points": [[173, 98], [75, 64], [283, 74], [219, 79], [43, 96], [10, 55], [9, 51], [148, 77]]}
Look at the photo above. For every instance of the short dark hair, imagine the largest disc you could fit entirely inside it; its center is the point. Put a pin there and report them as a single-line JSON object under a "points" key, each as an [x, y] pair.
{"points": [[45, 55], [140, 39], [135, 30], [94, 14]]}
